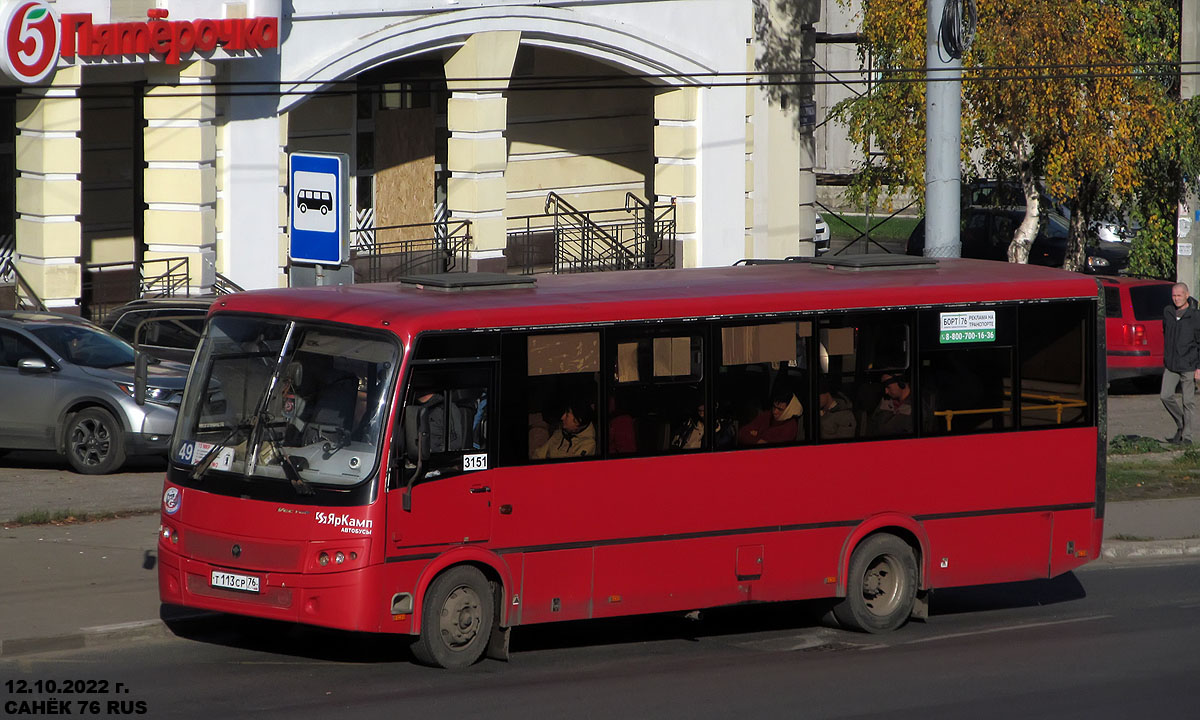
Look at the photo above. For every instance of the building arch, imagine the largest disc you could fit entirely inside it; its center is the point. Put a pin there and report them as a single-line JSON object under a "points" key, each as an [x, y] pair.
{"points": [[616, 44]]}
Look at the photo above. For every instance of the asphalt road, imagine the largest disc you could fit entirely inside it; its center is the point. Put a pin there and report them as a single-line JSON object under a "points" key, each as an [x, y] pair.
{"points": [[1105, 642]]}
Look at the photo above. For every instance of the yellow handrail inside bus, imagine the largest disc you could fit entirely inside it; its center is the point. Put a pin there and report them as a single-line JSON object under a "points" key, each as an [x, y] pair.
{"points": [[1055, 402]]}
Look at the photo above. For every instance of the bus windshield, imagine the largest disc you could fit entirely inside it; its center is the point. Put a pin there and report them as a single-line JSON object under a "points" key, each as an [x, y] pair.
{"points": [[286, 400]]}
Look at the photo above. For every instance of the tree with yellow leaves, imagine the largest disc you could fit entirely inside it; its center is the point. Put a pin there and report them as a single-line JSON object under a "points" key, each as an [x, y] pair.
{"points": [[1063, 94], [1051, 88]]}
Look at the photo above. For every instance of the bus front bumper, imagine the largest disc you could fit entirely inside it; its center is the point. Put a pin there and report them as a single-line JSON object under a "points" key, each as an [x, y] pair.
{"points": [[339, 600]]}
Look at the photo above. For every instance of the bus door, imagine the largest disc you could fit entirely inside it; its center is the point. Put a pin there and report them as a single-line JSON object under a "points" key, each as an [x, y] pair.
{"points": [[439, 491]]}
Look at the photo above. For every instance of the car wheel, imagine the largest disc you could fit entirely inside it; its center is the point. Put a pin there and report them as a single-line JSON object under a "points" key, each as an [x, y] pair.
{"points": [[95, 442]]}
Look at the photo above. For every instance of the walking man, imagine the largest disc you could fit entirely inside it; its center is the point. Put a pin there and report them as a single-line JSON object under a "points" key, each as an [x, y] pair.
{"points": [[1181, 358]]}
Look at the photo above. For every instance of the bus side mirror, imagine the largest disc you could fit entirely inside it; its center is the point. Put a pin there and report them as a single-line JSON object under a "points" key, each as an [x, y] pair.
{"points": [[139, 378]]}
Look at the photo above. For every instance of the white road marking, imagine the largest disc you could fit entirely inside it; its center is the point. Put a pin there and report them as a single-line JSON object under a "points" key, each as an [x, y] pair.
{"points": [[1026, 626]]}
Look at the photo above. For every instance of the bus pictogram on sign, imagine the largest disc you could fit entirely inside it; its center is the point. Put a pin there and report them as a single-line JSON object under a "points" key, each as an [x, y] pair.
{"points": [[320, 200]]}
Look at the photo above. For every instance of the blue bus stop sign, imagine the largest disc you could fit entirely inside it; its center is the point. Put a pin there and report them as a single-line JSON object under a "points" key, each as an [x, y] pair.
{"points": [[318, 187]]}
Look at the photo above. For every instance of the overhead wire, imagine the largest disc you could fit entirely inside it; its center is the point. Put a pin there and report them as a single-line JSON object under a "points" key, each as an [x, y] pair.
{"points": [[723, 79]]}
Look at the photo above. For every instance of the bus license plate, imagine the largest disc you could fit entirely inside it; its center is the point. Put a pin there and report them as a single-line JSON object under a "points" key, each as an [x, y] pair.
{"points": [[230, 581]]}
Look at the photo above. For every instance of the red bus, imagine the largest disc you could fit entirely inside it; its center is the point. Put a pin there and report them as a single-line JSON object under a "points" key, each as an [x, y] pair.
{"points": [[457, 455]]}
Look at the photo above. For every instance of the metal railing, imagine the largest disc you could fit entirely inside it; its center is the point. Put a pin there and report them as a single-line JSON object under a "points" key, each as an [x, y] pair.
{"points": [[175, 277], [638, 236], [222, 285], [106, 286], [384, 254], [23, 296]]}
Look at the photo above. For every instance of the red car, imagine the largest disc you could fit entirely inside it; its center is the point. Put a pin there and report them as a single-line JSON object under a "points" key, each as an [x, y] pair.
{"points": [[1134, 335]]}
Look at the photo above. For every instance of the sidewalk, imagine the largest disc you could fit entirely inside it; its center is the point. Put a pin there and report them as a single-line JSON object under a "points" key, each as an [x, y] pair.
{"points": [[79, 585], [71, 586]]}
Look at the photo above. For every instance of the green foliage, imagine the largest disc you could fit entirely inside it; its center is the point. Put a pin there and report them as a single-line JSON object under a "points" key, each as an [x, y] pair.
{"points": [[1190, 456], [1133, 445], [1153, 251], [1083, 94]]}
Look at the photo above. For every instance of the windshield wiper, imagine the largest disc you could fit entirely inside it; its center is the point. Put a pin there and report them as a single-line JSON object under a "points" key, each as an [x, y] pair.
{"points": [[291, 466], [261, 418]]}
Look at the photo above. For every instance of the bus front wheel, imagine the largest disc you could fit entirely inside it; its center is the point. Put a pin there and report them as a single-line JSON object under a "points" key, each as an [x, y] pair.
{"points": [[881, 586], [456, 620]]}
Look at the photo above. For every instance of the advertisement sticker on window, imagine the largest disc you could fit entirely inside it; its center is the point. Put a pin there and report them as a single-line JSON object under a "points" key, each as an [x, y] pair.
{"points": [[962, 327]]}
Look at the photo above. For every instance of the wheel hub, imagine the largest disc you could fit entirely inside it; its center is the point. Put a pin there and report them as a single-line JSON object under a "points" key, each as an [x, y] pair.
{"points": [[880, 589], [91, 442], [460, 617]]}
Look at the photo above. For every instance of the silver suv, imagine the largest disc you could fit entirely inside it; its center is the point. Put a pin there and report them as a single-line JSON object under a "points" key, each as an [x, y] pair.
{"points": [[69, 386]]}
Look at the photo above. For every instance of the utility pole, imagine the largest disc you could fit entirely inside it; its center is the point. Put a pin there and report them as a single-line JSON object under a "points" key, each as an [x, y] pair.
{"points": [[943, 140], [1188, 229]]}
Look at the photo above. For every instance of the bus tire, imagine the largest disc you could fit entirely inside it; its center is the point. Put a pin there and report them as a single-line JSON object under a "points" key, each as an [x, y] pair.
{"points": [[881, 586], [456, 620], [303, 207]]}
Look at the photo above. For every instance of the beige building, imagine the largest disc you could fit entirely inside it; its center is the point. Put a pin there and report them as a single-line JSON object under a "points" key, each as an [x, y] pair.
{"points": [[150, 156]]}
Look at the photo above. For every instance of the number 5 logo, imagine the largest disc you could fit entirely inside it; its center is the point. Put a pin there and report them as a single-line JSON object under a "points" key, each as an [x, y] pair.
{"points": [[31, 41]]}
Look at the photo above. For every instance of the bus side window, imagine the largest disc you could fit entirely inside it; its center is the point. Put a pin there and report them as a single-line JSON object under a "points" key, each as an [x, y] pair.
{"points": [[866, 361], [762, 385], [445, 419], [967, 380], [656, 392], [551, 388], [1055, 370]]}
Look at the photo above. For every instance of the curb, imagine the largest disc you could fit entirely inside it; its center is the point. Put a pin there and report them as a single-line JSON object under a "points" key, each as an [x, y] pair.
{"points": [[88, 637], [1150, 549], [100, 635]]}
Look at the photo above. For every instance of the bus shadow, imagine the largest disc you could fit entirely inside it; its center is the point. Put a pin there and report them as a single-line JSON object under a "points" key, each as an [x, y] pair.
{"points": [[689, 627], [325, 644], [296, 640], [284, 638], [1005, 596]]}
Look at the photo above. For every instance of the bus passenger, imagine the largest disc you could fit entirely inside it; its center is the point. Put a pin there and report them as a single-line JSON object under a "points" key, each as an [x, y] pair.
{"points": [[837, 417], [622, 433], [893, 416], [690, 435], [575, 437], [778, 425]]}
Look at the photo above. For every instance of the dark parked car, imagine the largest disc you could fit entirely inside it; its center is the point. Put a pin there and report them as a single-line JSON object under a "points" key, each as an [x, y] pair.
{"points": [[987, 232], [1134, 326], [69, 386], [167, 328]]}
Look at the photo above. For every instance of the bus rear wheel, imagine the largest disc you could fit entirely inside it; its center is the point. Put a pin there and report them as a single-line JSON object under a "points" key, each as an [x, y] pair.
{"points": [[456, 621], [881, 586]]}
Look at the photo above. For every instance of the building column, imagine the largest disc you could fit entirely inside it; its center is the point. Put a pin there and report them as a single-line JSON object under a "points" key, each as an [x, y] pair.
{"points": [[477, 156], [49, 191], [252, 198], [676, 176], [180, 177]]}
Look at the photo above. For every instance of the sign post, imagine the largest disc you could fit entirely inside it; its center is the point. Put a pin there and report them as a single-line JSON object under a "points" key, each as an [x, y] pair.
{"points": [[319, 191]]}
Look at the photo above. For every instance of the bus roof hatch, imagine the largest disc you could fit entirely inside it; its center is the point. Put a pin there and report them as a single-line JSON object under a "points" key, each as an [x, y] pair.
{"points": [[864, 263], [464, 281]]}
